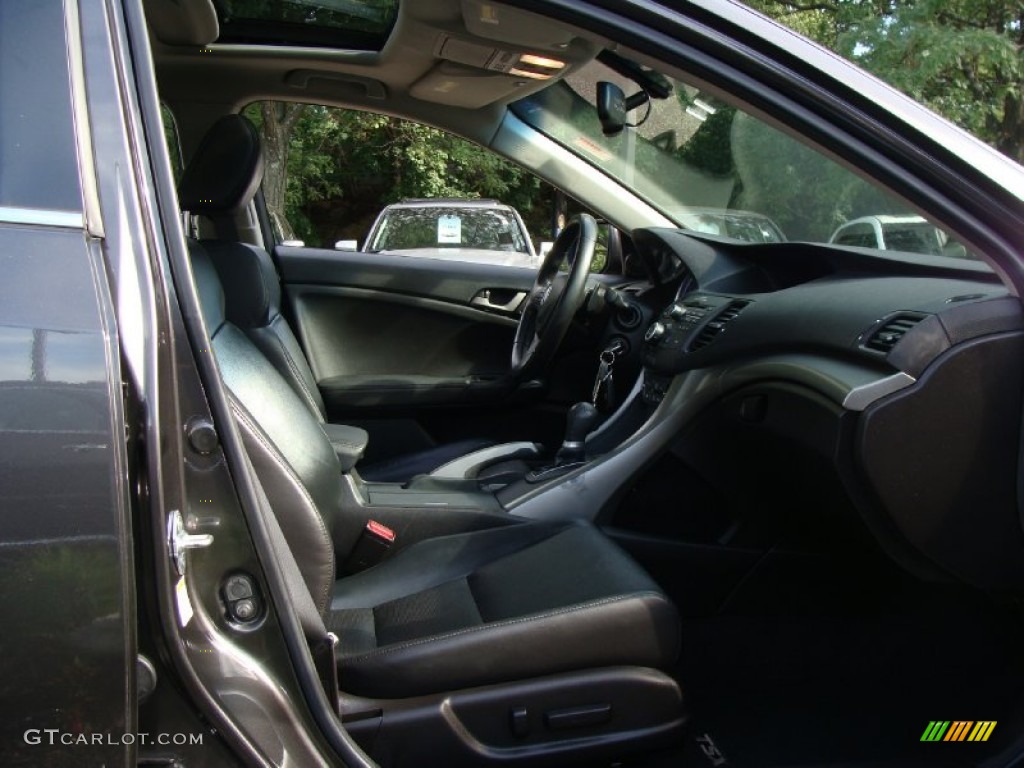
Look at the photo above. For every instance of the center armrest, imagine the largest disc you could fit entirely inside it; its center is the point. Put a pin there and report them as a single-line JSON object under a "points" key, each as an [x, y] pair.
{"points": [[348, 442], [471, 464]]}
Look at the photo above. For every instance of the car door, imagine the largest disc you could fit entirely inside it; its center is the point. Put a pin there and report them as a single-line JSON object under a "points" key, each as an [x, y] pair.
{"points": [[414, 346], [68, 603], [415, 338]]}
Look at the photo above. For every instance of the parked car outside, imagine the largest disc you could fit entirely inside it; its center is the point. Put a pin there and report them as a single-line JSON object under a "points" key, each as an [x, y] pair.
{"points": [[748, 226], [484, 231], [908, 233]]}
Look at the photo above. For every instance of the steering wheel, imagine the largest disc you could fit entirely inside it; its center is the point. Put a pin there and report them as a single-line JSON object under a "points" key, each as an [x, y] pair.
{"points": [[555, 297]]}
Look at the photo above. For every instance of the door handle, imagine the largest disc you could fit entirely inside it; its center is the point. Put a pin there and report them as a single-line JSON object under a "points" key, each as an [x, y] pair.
{"points": [[486, 300]]}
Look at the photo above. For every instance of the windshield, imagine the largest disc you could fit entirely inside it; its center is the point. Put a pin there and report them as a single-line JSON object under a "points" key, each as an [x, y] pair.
{"points": [[712, 168], [489, 229]]}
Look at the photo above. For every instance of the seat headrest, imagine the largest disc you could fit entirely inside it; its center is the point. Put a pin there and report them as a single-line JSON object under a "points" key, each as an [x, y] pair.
{"points": [[252, 290], [211, 294], [183, 23], [225, 171]]}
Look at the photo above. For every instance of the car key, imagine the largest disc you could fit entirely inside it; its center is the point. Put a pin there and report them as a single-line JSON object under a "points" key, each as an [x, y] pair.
{"points": [[603, 380]]}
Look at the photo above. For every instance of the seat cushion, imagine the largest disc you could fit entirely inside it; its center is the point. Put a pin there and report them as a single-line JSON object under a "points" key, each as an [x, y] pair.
{"points": [[498, 605], [402, 468]]}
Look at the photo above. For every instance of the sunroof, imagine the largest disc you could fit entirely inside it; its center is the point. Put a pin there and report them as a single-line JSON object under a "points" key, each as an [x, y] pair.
{"points": [[351, 24]]}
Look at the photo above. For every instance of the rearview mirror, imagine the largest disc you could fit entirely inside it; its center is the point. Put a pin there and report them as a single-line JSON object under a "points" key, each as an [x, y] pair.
{"points": [[611, 107]]}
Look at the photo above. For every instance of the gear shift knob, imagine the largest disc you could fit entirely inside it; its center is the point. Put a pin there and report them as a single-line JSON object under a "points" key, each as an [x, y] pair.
{"points": [[578, 423]]}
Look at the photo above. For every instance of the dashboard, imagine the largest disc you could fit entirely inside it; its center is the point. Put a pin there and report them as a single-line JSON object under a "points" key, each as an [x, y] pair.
{"points": [[901, 374]]}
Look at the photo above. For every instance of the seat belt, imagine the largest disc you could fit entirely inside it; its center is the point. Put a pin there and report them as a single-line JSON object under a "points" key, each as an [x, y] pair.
{"points": [[321, 642]]}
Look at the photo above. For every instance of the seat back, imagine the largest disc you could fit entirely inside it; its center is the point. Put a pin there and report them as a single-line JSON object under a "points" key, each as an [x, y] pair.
{"points": [[220, 180], [286, 443], [252, 294]]}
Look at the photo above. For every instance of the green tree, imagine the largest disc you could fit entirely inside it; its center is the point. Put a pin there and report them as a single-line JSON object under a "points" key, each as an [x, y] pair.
{"points": [[962, 58], [329, 171], [276, 121]]}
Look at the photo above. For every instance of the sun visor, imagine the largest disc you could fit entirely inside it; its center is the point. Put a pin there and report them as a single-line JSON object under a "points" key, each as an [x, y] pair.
{"points": [[183, 22]]}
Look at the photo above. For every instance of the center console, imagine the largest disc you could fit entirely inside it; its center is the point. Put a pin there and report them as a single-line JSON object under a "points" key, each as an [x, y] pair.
{"points": [[597, 464], [685, 325]]}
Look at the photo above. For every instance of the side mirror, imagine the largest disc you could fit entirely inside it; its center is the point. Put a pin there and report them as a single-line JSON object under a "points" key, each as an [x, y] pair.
{"points": [[545, 246], [346, 245], [293, 243]]}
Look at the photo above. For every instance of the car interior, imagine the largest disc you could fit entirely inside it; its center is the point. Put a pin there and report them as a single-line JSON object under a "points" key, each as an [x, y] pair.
{"points": [[724, 502]]}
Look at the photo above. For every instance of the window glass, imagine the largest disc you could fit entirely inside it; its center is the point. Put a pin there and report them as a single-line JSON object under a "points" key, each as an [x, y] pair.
{"points": [[711, 167], [38, 163], [916, 238], [359, 24], [343, 179], [173, 144]]}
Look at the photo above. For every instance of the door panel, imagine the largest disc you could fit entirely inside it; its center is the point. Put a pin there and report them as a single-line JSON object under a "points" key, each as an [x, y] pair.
{"points": [[418, 340], [374, 348], [68, 601], [456, 282]]}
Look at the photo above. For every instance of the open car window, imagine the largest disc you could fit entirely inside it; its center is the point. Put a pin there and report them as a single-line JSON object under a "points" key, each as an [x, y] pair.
{"points": [[349, 180]]}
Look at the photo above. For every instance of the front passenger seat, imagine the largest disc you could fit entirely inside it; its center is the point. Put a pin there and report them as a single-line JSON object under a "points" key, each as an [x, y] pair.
{"points": [[220, 180], [526, 639]]}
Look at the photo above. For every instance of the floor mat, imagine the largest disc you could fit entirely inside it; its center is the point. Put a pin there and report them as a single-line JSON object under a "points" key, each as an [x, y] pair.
{"points": [[855, 682]]}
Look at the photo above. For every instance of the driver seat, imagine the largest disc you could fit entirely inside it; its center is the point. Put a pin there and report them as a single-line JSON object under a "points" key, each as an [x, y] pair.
{"points": [[221, 179]]}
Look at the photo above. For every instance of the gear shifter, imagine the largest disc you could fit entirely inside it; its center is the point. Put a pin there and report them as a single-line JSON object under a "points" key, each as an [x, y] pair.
{"points": [[578, 423]]}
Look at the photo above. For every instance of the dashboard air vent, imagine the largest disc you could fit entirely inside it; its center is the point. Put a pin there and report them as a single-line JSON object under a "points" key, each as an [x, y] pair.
{"points": [[889, 333], [710, 331]]}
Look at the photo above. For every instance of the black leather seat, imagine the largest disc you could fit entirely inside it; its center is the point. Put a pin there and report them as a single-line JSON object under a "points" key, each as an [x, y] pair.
{"points": [[221, 179], [522, 600]]}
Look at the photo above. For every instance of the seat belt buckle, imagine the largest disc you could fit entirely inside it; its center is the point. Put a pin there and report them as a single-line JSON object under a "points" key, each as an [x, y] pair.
{"points": [[371, 547]]}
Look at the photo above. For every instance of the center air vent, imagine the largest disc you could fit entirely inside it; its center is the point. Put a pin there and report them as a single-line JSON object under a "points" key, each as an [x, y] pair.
{"points": [[889, 333], [710, 331]]}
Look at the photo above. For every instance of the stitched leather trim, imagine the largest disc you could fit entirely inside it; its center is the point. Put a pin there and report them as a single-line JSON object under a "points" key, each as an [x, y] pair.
{"points": [[245, 420], [505, 623], [307, 395], [346, 443]]}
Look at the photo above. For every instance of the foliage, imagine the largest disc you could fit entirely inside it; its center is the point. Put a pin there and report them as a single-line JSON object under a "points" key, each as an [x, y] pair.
{"points": [[336, 169], [710, 147], [343, 166], [962, 58], [807, 196]]}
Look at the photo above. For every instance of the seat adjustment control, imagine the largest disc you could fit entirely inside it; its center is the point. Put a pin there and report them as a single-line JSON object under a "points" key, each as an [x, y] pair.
{"points": [[202, 436], [578, 717], [241, 596], [519, 719]]}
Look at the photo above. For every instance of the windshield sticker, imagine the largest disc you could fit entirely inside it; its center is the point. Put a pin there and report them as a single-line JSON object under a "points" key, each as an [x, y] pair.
{"points": [[592, 148], [449, 230]]}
